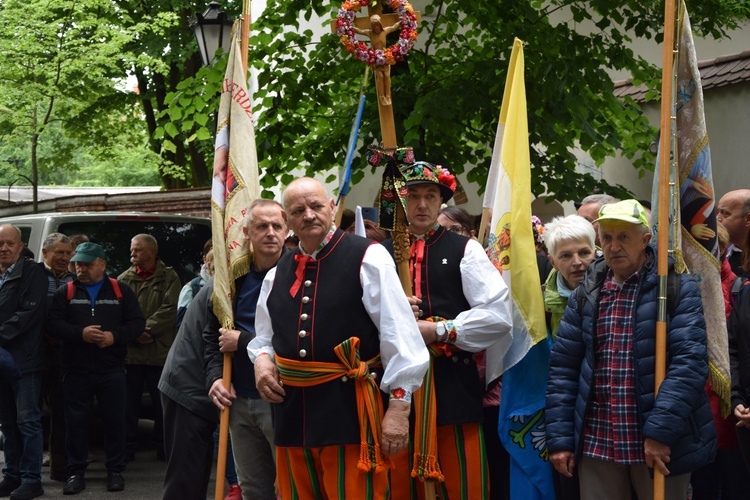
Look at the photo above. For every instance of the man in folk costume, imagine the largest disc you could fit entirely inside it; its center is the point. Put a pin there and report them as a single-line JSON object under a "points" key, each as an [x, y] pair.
{"points": [[329, 316], [461, 305]]}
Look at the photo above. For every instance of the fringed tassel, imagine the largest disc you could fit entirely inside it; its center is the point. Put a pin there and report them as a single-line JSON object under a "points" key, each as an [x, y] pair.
{"points": [[371, 458], [680, 267], [722, 387], [427, 468]]}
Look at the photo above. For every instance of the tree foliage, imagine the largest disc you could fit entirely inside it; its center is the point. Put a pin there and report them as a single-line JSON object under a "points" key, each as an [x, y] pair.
{"points": [[61, 92], [63, 106], [447, 94]]}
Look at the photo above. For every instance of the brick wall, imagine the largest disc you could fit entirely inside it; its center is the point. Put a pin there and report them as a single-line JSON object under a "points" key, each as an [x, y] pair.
{"points": [[193, 201]]}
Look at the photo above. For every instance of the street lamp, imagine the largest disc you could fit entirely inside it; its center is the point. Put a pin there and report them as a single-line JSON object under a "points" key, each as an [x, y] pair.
{"points": [[213, 30]]}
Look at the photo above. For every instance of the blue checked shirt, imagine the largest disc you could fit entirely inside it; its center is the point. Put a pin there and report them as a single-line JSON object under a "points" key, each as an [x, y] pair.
{"points": [[6, 274]]}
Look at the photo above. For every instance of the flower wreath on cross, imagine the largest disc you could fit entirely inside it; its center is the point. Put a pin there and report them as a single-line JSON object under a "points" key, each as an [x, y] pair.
{"points": [[380, 57]]}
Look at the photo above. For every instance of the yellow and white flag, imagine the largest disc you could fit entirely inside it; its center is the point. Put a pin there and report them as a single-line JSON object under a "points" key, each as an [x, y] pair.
{"points": [[235, 181], [511, 244], [525, 366]]}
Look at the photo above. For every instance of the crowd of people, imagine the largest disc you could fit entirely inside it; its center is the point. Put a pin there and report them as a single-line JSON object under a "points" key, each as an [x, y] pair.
{"points": [[344, 386]]}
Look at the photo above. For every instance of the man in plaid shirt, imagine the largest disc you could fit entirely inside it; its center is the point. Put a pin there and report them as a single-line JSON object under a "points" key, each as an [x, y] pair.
{"points": [[602, 414]]}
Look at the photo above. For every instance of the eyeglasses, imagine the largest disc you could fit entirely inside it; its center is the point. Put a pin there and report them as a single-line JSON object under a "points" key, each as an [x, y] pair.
{"points": [[457, 229]]}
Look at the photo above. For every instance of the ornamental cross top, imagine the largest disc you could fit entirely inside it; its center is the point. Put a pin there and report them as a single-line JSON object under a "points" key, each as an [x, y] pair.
{"points": [[376, 26]]}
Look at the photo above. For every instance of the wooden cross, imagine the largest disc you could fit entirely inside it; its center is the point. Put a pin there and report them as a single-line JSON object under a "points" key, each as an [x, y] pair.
{"points": [[387, 24], [377, 29]]}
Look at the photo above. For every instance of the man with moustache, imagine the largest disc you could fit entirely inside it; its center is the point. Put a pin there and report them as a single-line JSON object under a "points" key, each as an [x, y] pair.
{"points": [[158, 290], [95, 317], [462, 309], [250, 421], [329, 316]]}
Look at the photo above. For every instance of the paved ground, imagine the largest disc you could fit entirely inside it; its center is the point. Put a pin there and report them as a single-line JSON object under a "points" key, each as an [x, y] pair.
{"points": [[143, 478]]}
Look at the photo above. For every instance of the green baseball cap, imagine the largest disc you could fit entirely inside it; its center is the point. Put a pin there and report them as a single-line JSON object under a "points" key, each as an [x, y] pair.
{"points": [[88, 252], [626, 210]]}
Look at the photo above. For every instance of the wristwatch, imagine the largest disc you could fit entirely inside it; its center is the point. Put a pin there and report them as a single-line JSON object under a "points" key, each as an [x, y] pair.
{"points": [[440, 331]]}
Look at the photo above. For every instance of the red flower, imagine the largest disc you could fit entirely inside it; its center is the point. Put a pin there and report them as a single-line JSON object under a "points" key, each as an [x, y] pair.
{"points": [[398, 393], [447, 179]]}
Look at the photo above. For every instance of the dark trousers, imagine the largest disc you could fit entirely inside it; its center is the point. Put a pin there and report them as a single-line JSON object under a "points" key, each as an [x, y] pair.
{"points": [[743, 438], [80, 390], [498, 460], [189, 446], [725, 478], [139, 376], [52, 392]]}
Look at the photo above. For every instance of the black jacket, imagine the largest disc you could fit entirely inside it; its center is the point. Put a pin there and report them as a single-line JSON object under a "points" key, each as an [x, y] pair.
{"points": [[67, 319], [22, 302], [183, 378], [739, 348]]}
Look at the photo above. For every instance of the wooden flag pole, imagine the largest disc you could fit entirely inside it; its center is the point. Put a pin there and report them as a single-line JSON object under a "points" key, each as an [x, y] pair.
{"points": [[665, 158], [221, 460]]}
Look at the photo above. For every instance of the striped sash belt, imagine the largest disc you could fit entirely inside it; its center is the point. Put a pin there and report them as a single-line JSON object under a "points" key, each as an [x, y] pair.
{"points": [[297, 373]]}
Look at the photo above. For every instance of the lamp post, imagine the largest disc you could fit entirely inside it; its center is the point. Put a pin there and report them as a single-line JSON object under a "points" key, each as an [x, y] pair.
{"points": [[213, 30], [19, 177]]}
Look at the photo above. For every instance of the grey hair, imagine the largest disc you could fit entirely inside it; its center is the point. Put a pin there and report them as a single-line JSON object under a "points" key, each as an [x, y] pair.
{"points": [[149, 240], [601, 199], [572, 227], [53, 238]]}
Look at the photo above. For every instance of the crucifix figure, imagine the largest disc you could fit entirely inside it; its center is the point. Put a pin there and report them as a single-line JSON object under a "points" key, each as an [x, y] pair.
{"points": [[376, 26], [377, 35]]}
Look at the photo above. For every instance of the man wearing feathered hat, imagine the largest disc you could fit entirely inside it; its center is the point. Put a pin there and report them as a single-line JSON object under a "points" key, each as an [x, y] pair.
{"points": [[461, 305]]}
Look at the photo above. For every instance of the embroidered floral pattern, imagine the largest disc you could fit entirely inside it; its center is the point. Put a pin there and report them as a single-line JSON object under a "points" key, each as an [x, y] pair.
{"points": [[400, 394]]}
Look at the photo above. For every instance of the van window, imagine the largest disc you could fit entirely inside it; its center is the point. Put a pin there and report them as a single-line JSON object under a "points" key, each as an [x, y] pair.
{"points": [[180, 243]]}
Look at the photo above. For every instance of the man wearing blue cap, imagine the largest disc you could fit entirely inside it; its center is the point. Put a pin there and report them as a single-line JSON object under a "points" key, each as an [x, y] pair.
{"points": [[95, 317], [602, 414]]}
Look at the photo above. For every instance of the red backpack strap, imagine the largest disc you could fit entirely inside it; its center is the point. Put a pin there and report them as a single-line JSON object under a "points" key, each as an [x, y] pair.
{"points": [[116, 286], [71, 290]]}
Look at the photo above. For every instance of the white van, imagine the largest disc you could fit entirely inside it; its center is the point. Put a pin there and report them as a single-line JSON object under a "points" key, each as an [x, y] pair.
{"points": [[181, 238]]}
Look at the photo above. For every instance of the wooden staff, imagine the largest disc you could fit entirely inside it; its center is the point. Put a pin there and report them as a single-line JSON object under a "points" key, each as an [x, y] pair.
{"points": [[221, 459], [665, 138]]}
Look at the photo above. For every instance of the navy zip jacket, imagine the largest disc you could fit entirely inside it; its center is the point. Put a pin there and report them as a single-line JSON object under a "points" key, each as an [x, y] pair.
{"points": [[67, 319], [681, 416], [22, 303]]}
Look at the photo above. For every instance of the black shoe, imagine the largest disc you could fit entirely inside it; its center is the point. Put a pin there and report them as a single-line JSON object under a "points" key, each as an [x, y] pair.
{"points": [[27, 491], [74, 485], [8, 484], [129, 456], [60, 477], [115, 481]]}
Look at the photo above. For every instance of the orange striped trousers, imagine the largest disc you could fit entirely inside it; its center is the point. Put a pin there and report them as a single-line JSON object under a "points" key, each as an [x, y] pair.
{"points": [[462, 458], [327, 473]]}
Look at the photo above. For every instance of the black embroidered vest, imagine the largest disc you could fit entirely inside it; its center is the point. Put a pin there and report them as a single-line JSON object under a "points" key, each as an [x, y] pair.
{"points": [[457, 384], [326, 311]]}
